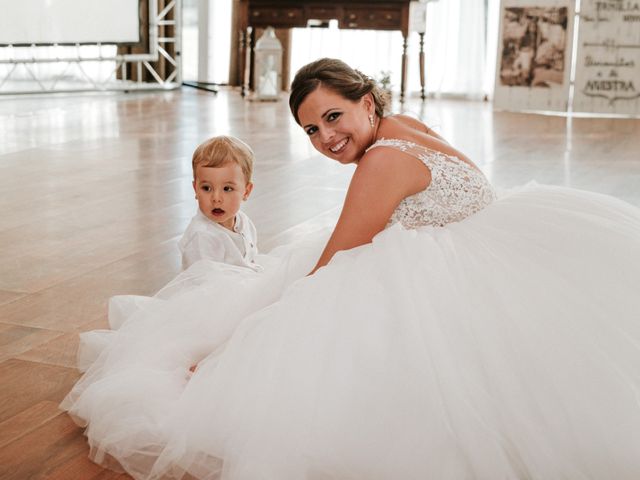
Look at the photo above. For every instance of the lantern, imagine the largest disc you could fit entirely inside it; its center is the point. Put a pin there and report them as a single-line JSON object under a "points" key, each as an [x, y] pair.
{"points": [[268, 66]]}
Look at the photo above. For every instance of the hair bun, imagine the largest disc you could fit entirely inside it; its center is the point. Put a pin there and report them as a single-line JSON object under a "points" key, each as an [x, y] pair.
{"points": [[365, 78]]}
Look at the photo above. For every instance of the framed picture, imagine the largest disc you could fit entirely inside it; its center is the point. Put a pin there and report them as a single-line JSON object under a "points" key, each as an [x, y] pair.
{"points": [[534, 55]]}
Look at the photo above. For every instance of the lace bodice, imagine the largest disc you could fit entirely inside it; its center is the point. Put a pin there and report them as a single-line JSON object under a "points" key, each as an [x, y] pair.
{"points": [[456, 191]]}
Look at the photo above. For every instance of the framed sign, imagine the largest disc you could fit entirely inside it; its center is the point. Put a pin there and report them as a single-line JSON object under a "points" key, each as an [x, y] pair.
{"points": [[607, 76], [534, 55]]}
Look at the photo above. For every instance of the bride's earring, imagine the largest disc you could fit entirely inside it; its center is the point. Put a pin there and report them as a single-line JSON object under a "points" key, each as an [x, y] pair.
{"points": [[371, 121]]}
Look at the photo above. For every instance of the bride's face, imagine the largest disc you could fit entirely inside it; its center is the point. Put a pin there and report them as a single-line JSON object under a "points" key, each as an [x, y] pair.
{"points": [[337, 127]]}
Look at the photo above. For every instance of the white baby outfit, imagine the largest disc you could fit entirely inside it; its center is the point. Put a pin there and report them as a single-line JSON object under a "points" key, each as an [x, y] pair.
{"points": [[205, 239]]}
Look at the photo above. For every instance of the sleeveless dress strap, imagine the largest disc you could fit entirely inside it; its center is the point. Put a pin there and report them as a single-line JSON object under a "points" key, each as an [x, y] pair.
{"points": [[433, 159]]}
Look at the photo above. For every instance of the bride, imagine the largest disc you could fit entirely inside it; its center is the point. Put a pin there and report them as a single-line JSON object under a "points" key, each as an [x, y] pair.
{"points": [[444, 332]]}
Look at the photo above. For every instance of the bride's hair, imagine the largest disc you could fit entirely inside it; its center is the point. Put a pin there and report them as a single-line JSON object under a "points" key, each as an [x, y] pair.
{"points": [[337, 76]]}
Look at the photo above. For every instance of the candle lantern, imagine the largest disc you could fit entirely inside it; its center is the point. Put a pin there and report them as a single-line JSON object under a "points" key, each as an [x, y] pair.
{"points": [[268, 66]]}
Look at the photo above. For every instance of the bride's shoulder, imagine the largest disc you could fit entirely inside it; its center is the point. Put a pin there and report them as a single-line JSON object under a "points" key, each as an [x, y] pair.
{"points": [[400, 132], [410, 135], [402, 128], [404, 122]]}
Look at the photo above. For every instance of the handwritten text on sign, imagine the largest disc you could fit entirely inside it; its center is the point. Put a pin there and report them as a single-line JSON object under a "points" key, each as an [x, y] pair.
{"points": [[608, 62]]}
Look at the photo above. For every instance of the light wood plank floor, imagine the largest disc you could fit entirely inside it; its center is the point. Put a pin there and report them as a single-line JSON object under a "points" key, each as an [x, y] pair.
{"points": [[96, 190]]}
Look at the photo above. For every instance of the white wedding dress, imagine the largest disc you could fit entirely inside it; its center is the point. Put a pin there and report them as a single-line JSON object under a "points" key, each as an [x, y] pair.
{"points": [[475, 338]]}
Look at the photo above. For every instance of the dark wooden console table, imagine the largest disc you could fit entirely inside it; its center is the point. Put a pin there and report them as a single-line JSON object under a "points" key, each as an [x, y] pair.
{"points": [[353, 14]]}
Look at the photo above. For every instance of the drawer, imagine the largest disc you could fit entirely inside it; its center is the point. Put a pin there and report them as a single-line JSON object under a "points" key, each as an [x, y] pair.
{"points": [[277, 17], [322, 13], [378, 18]]}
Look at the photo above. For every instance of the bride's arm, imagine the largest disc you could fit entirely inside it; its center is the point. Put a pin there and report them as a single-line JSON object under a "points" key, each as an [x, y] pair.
{"points": [[381, 180]]}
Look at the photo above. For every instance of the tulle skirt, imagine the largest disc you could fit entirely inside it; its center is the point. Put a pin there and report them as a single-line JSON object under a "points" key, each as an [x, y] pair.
{"points": [[504, 346]]}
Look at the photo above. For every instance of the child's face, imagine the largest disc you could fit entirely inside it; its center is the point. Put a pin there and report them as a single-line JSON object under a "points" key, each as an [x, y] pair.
{"points": [[220, 191]]}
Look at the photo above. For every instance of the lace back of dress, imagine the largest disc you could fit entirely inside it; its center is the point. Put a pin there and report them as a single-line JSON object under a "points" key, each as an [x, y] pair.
{"points": [[457, 189]]}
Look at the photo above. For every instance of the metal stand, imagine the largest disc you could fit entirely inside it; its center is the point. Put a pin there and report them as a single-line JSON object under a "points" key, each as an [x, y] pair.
{"points": [[39, 84], [208, 87]]}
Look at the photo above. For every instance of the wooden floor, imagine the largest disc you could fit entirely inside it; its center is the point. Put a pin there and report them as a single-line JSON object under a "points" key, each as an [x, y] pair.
{"points": [[96, 191]]}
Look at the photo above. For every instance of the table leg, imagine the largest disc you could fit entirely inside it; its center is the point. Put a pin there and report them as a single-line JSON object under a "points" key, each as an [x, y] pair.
{"points": [[246, 59], [403, 81], [242, 55], [422, 96], [251, 58]]}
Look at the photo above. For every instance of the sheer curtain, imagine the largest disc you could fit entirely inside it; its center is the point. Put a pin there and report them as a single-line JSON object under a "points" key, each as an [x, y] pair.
{"points": [[459, 49], [216, 65], [372, 52], [206, 40], [455, 47]]}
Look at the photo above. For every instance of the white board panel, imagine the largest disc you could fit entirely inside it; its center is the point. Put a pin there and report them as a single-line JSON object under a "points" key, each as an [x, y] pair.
{"points": [[24, 22], [418, 17], [534, 55], [608, 58]]}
